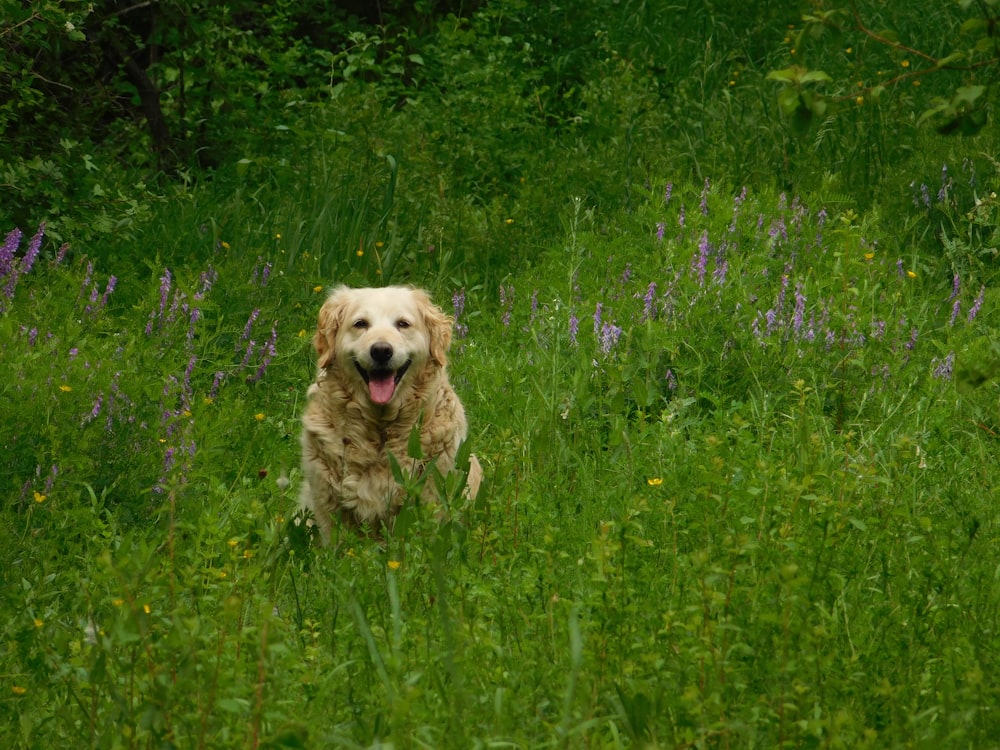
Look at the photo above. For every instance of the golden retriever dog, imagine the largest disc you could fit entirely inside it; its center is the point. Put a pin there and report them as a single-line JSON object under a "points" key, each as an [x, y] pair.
{"points": [[381, 373]]}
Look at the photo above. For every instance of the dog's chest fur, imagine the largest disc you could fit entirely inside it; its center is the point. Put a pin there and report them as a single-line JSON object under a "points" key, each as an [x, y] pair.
{"points": [[347, 446]]}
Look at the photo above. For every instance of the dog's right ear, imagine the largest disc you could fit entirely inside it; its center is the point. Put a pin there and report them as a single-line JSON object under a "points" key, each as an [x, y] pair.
{"points": [[331, 315]]}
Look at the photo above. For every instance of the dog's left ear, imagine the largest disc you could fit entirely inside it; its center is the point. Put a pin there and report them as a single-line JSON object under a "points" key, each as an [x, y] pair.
{"points": [[438, 327], [330, 318]]}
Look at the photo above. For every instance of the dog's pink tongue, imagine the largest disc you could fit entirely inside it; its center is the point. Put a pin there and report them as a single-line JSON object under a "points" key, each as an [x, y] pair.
{"points": [[381, 388]]}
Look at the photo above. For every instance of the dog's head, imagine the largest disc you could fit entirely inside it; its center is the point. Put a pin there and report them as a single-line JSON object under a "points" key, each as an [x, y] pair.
{"points": [[381, 337]]}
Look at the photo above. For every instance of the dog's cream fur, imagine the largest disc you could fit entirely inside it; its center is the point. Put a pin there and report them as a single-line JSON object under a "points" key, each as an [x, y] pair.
{"points": [[381, 371]]}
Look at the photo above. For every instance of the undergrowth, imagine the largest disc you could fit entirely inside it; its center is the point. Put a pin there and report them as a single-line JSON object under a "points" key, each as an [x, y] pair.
{"points": [[739, 450]]}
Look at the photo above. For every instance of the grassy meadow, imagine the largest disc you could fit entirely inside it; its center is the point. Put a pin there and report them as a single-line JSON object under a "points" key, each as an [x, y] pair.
{"points": [[740, 435]]}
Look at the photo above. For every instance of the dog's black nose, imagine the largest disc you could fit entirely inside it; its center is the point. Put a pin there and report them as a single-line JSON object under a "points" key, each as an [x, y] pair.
{"points": [[381, 353]]}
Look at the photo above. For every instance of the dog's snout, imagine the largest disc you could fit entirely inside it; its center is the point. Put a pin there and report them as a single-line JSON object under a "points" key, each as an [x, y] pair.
{"points": [[381, 353]]}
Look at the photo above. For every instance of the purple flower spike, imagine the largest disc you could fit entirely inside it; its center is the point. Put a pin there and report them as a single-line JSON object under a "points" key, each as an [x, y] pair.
{"points": [[33, 247], [974, 310], [10, 246]]}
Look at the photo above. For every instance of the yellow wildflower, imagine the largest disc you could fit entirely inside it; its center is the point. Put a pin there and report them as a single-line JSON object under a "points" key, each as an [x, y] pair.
{"points": [[393, 564], [302, 333], [905, 63], [118, 602], [259, 416], [277, 235], [65, 388], [361, 253], [39, 497], [18, 690], [38, 623], [869, 256], [225, 245], [317, 289], [509, 221], [654, 481], [146, 608], [911, 274]]}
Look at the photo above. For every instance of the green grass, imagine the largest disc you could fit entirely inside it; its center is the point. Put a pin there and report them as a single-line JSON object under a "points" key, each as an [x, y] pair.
{"points": [[752, 510], [734, 389]]}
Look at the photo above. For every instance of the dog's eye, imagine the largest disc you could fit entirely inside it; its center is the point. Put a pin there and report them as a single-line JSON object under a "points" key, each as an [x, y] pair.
{"points": [[402, 323], [360, 323]]}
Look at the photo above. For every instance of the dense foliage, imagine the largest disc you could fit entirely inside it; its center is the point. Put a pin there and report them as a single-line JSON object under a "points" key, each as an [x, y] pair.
{"points": [[733, 375]]}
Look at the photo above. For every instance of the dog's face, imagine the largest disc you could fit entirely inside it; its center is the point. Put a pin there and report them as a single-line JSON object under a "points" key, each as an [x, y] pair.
{"points": [[381, 339]]}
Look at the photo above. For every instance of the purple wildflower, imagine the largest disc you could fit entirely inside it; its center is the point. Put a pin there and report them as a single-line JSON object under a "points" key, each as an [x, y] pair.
{"points": [[267, 354], [33, 247], [945, 184], [507, 302], [597, 319], [249, 353], [458, 304], [956, 286], [671, 380], [207, 279], [186, 388], [778, 230], [680, 216], [250, 321], [574, 327], [974, 310], [219, 377], [96, 410], [610, 334], [626, 275], [195, 316], [944, 367], [165, 281], [955, 310], [265, 274], [925, 195], [900, 271], [878, 329], [534, 307], [913, 339], [648, 309], [61, 255], [10, 246], [721, 269], [667, 193], [800, 308], [702, 259], [51, 480], [737, 204], [32, 336], [661, 228], [112, 283]]}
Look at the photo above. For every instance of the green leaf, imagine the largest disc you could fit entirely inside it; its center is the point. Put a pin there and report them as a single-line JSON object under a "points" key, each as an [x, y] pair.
{"points": [[815, 76], [789, 101], [787, 75], [968, 94]]}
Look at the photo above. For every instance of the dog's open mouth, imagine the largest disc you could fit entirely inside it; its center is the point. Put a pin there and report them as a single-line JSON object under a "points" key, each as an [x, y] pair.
{"points": [[381, 382]]}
